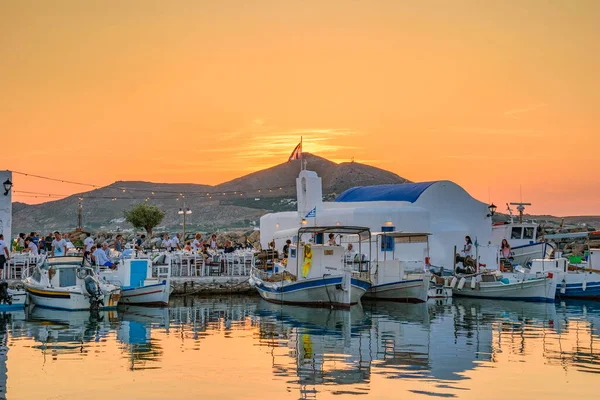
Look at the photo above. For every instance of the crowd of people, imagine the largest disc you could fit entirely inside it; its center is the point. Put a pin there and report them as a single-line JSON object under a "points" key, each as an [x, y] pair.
{"points": [[55, 244]]}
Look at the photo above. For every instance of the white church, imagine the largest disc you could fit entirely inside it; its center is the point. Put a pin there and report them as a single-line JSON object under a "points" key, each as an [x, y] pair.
{"points": [[442, 209]]}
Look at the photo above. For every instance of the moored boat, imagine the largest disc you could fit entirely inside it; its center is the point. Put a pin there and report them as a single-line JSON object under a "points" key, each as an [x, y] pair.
{"points": [[315, 274], [65, 283], [11, 299], [522, 237], [493, 285], [138, 286], [578, 282], [400, 278]]}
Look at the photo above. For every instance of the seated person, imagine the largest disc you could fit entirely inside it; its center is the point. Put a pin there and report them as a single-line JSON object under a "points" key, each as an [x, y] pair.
{"points": [[188, 246], [138, 243], [101, 257], [286, 248], [127, 253], [228, 247]]}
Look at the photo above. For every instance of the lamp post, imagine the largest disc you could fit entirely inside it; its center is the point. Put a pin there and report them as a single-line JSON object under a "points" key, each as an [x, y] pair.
{"points": [[492, 207], [7, 186], [184, 211]]}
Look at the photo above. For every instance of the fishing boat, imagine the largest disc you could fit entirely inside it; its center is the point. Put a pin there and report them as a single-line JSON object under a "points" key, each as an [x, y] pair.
{"points": [[495, 285], [11, 299], [402, 277], [138, 285], [579, 281], [522, 237], [316, 274], [66, 283]]}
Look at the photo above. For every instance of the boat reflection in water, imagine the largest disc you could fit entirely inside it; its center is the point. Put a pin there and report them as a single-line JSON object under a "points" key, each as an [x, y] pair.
{"points": [[134, 334], [385, 349]]}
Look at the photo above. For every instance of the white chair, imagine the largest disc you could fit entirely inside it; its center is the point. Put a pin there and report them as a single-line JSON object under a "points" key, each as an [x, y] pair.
{"points": [[229, 263], [20, 264]]}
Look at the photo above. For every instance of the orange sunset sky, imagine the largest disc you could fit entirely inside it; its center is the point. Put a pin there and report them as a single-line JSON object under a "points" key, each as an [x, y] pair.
{"points": [[494, 95]]}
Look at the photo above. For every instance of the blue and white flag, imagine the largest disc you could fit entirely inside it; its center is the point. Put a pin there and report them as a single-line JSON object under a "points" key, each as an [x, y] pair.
{"points": [[312, 213]]}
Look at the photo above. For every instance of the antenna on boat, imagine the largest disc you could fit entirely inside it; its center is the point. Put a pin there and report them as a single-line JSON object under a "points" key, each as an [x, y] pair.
{"points": [[509, 213], [520, 209]]}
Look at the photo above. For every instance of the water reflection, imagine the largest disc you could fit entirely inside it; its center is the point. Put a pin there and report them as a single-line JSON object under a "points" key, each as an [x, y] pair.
{"points": [[383, 349]]}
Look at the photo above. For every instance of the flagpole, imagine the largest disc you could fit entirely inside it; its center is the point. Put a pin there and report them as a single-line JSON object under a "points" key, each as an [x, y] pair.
{"points": [[301, 156]]}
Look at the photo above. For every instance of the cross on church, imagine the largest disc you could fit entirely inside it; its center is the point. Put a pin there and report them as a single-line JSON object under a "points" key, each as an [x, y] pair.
{"points": [[305, 162]]}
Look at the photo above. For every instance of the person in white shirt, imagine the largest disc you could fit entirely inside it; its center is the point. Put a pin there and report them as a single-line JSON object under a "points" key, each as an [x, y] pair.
{"points": [[102, 258], [175, 242], [59, 245], [213, 242], [4, 254], [31, 247], [88, 242], [197, 244], [167, 243]]}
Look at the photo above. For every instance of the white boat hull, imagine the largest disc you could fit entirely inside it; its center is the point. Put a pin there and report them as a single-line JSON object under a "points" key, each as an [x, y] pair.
{"points": [[323, 292], [522, 255], [542, 289], [151, 295], [410, 291], [69, 300], [18, 300]]}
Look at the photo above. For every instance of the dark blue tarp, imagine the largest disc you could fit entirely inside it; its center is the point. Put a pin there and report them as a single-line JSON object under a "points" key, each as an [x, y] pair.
{"points": [[409, 192]]}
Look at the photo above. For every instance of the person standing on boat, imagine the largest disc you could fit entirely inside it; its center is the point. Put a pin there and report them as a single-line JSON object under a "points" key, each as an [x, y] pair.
{"points": [[59, 245], [505, 249], [167, 243], [286, 248], [4, 255]]}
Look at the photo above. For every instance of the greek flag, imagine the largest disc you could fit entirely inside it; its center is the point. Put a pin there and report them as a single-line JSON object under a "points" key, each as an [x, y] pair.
{"points": [[312, 213]]}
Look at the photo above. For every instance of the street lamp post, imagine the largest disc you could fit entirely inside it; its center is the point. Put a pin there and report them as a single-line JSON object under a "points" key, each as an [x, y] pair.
{"points": [[184, 211]]}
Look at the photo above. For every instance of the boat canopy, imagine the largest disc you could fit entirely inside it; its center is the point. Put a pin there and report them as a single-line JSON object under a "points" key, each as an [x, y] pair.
{"points": [[66, 260], [342, 230]]}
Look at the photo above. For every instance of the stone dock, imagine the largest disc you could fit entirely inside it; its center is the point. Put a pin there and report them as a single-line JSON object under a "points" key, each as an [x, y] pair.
{"points": [[196, 285]]}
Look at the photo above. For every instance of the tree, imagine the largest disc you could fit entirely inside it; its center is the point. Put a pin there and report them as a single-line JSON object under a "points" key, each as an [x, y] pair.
{"points": [[144, 216]]}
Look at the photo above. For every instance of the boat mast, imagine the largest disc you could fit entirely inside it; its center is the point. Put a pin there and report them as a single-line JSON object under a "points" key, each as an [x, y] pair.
{"points": [[520, 209]]}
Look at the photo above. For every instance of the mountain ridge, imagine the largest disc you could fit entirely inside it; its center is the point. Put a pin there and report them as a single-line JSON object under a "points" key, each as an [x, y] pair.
{"points": [[220, 206]]}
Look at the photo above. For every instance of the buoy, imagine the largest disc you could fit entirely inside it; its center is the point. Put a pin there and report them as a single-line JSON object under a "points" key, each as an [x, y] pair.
{"points": [[461, 283], [473, 283], [584, 285], [563, 287], [453, 283]]}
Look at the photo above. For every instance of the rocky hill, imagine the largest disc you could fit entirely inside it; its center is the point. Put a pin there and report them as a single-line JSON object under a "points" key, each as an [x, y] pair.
{"points": [[234, 204]]}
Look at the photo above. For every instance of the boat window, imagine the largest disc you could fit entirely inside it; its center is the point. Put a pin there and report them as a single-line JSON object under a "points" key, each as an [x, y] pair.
{"points": [[528, 233], [36, 276], [66, 277], [516, 233]]}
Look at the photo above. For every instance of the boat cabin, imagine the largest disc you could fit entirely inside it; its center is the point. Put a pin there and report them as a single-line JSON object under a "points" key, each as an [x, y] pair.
{"points": [[130, 273], [516, 233], [310, 255], [58, 272]]}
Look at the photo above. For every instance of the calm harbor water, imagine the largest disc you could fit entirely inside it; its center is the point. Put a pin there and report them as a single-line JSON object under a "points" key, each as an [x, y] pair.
{"points": [[243, 347]]}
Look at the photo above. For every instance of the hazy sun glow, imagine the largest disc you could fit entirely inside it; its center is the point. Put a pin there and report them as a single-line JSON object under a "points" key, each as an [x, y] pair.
{"points": [[496, 96]]}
